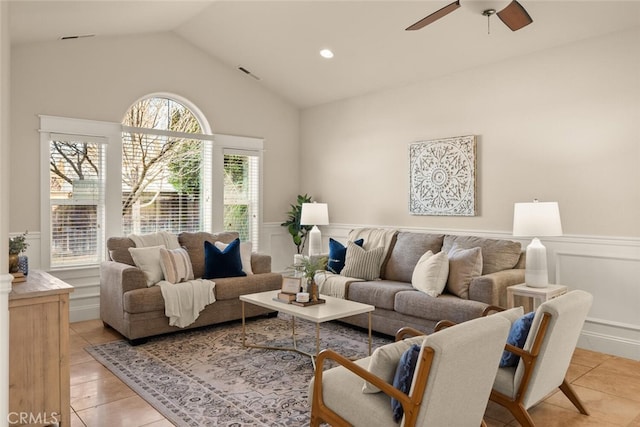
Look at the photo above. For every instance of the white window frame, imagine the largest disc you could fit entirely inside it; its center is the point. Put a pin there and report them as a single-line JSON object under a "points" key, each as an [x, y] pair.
{"points": [[111, 133], [221, 144], [230, 144]]}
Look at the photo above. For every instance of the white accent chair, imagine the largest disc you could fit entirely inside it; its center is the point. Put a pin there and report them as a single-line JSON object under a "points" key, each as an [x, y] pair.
{"points": [[451, 383], [545, 358]]}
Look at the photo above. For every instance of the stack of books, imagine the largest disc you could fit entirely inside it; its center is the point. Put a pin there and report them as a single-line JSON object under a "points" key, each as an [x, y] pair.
{"points": [[20, 277], [286, 297]]}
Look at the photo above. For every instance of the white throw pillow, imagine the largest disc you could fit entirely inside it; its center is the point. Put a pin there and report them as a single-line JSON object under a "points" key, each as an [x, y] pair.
{"points": [[384, 361], [245, 254], [148, 260], [430, 273]]}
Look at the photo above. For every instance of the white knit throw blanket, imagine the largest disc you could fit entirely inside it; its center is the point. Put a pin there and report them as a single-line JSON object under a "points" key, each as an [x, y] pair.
{"points": [[184, 301], [333, 284], [373, 238]]}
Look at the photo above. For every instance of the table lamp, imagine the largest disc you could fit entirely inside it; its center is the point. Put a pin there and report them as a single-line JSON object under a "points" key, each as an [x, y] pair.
{"points": [[537, 219], [314, 214]]}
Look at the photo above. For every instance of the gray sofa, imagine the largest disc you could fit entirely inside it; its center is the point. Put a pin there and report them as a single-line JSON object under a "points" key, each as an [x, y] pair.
{"points": [[138, 311], [398, 304]]}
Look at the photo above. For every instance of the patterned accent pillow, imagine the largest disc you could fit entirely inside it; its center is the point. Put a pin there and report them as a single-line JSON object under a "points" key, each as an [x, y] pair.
{"points": [[176, 265], [362, 264], [404, 377]]}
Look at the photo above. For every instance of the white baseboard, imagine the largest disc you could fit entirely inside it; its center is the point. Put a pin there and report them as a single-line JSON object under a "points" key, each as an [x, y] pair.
{"points": [[610, 344], [85, 312]]}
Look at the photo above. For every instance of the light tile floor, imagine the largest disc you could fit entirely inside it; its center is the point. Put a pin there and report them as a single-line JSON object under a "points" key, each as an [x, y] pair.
{"points": [[608, 385]]}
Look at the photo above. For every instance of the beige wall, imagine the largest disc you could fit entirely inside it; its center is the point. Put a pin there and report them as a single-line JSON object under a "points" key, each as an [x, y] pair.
{"points": [[4, 131], [99, 78], [561, 124]]}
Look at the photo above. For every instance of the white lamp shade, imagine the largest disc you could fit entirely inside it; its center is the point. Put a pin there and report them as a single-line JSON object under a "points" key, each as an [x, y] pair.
{"points": [[314, 214], [536, 219]]}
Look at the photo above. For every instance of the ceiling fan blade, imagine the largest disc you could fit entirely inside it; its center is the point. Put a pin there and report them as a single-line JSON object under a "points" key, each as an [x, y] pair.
{"points": [[434, 16], [515, 16]]}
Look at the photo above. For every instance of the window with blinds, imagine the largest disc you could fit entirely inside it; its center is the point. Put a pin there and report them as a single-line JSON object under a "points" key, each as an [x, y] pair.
{"points": [[162, 183], [166, 169], [241, 194], [76, 196]]}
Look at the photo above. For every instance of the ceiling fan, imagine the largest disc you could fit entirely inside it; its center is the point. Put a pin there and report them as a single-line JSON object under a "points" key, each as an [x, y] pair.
{"points": [[513, 15]]}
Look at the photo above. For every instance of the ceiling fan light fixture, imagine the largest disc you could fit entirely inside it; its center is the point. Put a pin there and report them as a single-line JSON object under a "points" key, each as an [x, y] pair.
{"points": [[480, 6]]}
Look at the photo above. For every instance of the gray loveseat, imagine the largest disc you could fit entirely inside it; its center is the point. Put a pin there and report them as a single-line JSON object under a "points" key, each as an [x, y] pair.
{"points": [[398, 304], [138, 311]]}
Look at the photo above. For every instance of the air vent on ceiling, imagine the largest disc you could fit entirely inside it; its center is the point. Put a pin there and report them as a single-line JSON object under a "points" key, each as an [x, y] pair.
{"points": [[84, 36], [247, 72]]}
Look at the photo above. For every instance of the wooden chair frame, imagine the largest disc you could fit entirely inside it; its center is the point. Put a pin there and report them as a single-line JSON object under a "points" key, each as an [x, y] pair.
{"points": [[410, 403], [529, 359]]}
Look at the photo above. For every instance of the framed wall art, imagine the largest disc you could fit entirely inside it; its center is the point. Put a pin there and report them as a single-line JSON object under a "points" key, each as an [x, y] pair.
{"points": [[442, 177]]}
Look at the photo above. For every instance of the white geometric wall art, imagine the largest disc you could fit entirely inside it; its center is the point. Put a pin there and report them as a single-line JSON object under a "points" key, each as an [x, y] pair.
{"points": [[442, 177]]}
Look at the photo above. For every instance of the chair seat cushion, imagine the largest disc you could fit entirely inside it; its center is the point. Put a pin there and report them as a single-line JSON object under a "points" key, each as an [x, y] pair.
{"points": [[343, 394], [505, 381]]}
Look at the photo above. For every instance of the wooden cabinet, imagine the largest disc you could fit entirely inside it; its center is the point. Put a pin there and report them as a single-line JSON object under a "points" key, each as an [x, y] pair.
{"points": [[39, 351]]}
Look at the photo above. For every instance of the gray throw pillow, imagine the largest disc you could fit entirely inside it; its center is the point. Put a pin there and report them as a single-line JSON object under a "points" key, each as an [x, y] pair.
{"points": [[464, 266]]}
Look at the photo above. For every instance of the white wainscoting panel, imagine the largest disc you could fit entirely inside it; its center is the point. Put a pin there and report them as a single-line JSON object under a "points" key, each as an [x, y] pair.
{"points": [[613, 324], [84, 301]]}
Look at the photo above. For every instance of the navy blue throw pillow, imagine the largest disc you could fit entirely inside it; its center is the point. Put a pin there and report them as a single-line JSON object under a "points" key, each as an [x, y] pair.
{"points": [[517, 337], [403, 378], [338, 254], [226, 263]]}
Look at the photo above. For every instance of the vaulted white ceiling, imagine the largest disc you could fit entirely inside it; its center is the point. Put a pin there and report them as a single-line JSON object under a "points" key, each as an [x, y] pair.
{"points": [[279, 41]]}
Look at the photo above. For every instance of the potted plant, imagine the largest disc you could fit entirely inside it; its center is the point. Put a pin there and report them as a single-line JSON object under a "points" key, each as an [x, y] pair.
{"points": [[298, 232], [17, 245], [309, 266]]}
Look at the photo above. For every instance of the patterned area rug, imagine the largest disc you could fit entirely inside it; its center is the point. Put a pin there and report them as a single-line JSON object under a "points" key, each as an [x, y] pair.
{"points": [[207, 378]]}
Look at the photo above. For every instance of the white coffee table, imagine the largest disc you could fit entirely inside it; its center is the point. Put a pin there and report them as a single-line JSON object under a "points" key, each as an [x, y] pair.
{"points": [[333, 309]]}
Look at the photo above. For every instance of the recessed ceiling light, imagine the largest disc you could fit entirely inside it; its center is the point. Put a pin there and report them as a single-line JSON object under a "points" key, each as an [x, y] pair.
{"points": [[326, 53]]}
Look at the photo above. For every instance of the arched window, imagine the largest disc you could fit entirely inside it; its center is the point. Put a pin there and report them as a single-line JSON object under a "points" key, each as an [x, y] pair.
{"points": [[160, 169], [168, 174], [166, 168]]}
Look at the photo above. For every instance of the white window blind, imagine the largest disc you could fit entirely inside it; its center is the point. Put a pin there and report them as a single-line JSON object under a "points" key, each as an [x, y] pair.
{"points": [[77, 199], [241, 194], [164, 182]]}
